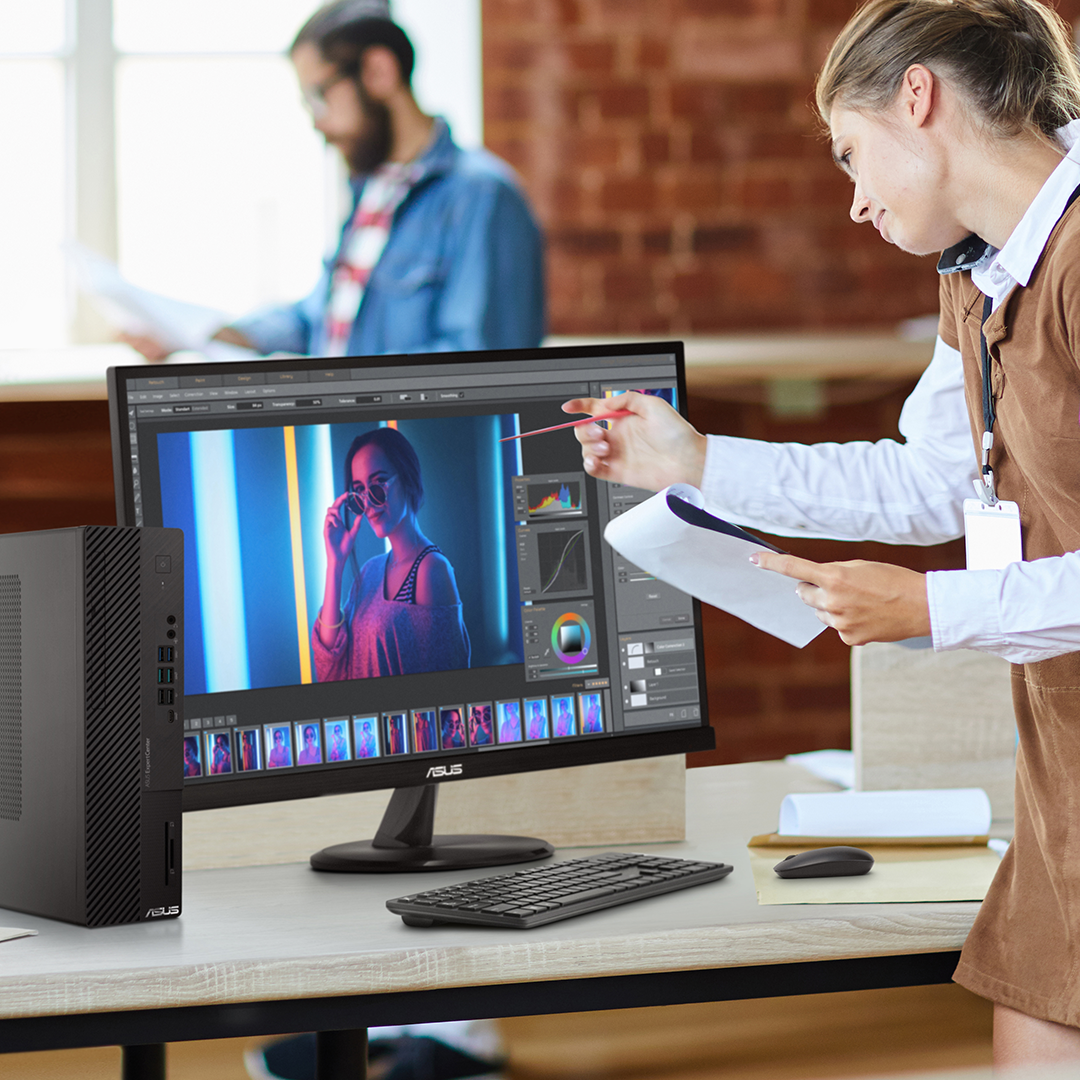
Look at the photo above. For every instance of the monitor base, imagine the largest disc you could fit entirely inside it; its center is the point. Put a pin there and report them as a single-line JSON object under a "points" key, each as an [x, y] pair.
{"points": [[444, 853], [406, 842]]}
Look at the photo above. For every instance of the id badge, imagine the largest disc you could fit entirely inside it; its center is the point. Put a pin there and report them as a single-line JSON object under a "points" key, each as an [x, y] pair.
{"points": [[991, 534]]}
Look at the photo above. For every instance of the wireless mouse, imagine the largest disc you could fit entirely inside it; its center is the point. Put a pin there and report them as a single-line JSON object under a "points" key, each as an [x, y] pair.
{"points": [[825, 862]]}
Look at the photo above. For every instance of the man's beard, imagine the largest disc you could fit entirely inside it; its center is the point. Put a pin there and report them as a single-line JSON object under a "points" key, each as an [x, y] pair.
{"points": [[373, 144]]}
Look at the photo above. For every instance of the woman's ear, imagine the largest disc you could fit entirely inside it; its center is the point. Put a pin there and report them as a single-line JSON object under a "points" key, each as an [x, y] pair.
{"points": [[918, 94]]}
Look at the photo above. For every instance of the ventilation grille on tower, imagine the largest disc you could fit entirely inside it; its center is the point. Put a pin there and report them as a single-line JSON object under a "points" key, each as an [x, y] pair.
{"points": [[10, 697], [113, 729]]}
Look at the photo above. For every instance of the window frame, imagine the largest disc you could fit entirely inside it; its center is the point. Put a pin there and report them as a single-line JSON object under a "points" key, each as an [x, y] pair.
{"points": [[89, 61]]}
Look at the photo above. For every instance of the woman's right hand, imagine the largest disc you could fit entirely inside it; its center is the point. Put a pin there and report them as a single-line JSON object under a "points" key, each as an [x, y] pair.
{"points": [[339, 538], [651, 449]]}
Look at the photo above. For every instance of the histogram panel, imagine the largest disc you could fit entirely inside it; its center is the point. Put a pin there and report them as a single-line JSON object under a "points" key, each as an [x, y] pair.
{"points": [[547, 500]]}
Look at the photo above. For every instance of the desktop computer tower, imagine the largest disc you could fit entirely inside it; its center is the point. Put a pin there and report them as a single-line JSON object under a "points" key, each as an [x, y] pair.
{"points": [[91, 731]]}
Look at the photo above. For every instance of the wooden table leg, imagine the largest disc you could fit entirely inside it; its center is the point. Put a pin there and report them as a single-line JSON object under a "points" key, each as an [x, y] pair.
{"points": [[144, 1062], [341, 1055]]}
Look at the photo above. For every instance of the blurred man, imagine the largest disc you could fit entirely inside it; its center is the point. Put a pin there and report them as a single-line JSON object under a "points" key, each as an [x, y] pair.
{"points": [[440, 251]]}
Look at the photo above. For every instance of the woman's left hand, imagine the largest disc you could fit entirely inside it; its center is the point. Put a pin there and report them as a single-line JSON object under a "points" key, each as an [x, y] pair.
{"points": [[863, 601]]}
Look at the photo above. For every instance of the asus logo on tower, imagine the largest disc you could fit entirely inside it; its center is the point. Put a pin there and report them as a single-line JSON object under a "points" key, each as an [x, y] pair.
{"points": [[443, 770]]}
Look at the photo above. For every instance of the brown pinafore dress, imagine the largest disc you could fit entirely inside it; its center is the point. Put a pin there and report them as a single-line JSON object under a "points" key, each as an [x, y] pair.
{"points": [[1024, 949]]}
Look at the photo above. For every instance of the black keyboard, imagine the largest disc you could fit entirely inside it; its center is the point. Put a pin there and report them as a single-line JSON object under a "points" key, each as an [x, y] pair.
{"points": [[544, 894]]}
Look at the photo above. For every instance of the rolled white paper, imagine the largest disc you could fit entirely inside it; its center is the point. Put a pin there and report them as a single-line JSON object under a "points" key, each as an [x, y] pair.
{"points": [[937, 812], [673, 537]]}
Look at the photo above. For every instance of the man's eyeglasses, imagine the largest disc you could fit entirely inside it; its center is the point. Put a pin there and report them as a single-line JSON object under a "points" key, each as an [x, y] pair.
{"points": [[314, 97], [362, 496]]}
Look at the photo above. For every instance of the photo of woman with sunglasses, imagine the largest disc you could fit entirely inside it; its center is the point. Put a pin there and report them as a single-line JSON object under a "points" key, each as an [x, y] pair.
{"points": [[403, 612]]}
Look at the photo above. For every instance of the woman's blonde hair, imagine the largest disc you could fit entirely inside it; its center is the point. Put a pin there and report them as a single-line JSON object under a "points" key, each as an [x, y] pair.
{"points": [[1013, 60]]}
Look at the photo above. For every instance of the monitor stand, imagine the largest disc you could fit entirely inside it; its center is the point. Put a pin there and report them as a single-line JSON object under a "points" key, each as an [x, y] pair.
{"points": [[405, 842]]}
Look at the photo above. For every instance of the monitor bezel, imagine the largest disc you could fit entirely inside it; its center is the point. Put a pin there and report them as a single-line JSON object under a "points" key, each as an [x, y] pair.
{"points": [[387, 774]]}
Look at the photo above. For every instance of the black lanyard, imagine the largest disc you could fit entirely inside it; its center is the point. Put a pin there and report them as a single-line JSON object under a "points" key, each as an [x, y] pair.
{"points": [[989, 400], [985, 487]]}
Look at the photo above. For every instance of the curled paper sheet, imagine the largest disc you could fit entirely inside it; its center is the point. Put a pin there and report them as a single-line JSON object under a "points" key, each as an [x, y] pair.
{"points": [[673, 537], [177, 324], [950, 812]]}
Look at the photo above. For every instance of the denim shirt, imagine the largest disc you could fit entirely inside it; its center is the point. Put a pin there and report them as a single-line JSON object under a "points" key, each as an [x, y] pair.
{"points": [[462, 269]]}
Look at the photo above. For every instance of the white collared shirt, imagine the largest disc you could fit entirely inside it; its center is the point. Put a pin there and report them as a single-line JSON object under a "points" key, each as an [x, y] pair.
{"points": [[1014, 264], [912, 492]]}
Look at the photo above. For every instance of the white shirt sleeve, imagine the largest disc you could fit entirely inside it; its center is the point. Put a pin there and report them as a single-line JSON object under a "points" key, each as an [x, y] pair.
{"points": [[908, 492], [1027, 612]]}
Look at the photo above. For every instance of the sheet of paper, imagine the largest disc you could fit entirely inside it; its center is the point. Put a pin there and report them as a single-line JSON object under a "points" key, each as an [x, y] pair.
{"points": [[939, 812], [673, 537], [10, 933], [837, 766], [900, 875], [176, 324]]}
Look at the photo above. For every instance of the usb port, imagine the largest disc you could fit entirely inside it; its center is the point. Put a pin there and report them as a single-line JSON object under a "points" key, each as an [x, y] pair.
{"points": [[165, 654], [165, 696], [164, 674]]}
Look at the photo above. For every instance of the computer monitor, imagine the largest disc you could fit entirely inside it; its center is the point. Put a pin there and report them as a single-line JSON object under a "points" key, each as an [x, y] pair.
{"points": [[522, 642]]}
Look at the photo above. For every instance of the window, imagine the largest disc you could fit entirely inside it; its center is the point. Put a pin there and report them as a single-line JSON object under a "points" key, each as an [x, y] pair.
{"points": [[170, 137]]}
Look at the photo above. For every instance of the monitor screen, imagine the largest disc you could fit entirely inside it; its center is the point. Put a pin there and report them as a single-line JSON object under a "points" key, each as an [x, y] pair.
{"points": [[385, 588]]}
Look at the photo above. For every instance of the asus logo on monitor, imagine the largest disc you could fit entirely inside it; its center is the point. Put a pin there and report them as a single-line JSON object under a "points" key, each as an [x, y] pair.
{"points": [[444, 770]]}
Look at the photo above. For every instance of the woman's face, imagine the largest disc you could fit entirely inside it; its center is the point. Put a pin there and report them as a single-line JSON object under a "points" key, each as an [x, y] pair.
{"points": [[899, 180], [371, 465]]}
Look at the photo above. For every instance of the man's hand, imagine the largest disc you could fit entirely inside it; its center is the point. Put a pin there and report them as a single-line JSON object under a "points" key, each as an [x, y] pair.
{"points": [[863, 601], [651, 449]]}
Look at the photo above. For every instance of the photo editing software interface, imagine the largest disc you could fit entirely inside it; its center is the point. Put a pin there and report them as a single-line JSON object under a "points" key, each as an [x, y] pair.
{"points": [[291, 480]]}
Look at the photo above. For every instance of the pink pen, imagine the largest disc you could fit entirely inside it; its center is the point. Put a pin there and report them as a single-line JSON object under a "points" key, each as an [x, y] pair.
{"points": [[573, 423]]}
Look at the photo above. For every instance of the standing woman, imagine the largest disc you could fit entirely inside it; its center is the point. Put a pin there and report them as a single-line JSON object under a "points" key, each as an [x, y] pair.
{"points": [[956, 120]]}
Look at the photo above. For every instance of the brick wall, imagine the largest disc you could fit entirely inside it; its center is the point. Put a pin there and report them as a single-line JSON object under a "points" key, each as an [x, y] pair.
{"points": [[673, 157], [672, 154]]}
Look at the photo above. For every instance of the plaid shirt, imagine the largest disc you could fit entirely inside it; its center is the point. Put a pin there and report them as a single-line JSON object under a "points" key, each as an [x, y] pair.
{"points": [[367, 235]]}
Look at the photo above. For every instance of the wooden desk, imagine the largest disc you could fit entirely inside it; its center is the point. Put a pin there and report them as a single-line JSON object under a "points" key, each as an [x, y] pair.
{"points": [[267, 950]]}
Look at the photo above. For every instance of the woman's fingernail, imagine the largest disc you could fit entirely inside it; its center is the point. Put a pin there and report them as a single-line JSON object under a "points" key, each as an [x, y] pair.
{"points": [[755, 559]]}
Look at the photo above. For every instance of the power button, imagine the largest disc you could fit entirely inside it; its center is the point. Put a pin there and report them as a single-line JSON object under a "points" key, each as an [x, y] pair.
{"points": [[163, 564]]}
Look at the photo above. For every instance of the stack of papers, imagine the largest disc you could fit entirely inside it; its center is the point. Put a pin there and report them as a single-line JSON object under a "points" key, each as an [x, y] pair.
{"points": [[836, 766], [900, 875], [927, 846], [945, 814]]}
